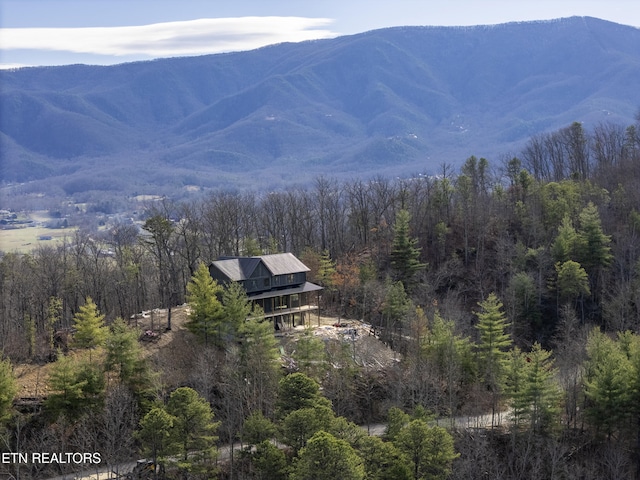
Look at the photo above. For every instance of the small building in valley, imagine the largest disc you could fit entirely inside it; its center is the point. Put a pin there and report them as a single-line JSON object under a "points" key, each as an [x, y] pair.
{"points": [[277, 283]]}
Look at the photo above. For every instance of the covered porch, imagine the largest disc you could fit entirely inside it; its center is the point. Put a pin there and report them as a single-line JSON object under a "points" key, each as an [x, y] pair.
{"points": [[289, 307]]}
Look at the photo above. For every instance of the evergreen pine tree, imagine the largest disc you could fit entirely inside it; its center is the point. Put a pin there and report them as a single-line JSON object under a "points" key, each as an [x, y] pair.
{"points": [[296, 391], [405, 255], [542, 389], [572, 281], [397, 303], [124, 356], [91, 331], [309, 355], [395, 310], [524, 299], [326, 270], [493, 346], [396, 421], [259, 365], [609, 383], [206, 314], [54, 314], [77, 385], [451, 356], [565, 245], [532, 388], [257, 429], [516, 386], [430, 450], [593, 250], [327, 458], [237, 308], [269, 461], [383, 461], [193, 426], [155, 435], [300, 425]]}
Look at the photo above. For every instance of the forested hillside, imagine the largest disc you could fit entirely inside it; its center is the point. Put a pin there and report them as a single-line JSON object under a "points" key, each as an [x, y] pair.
{"points": [[508, 288], [396, 101]]}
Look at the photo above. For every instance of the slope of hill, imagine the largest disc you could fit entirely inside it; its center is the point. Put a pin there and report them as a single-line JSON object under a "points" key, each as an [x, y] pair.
{"points": [[393, 101]]}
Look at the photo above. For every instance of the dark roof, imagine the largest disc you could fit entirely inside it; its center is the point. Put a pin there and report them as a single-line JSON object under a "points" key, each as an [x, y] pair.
{"points": [[241, 268], [237, 269], [283, 263]]}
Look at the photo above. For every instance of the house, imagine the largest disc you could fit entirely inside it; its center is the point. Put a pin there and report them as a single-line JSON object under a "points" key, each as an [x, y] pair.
{"points": [[277, 283]]}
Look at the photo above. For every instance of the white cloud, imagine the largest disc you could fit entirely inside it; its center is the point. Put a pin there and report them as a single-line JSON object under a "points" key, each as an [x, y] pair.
{"points": [[13, 66], [194, 37]]}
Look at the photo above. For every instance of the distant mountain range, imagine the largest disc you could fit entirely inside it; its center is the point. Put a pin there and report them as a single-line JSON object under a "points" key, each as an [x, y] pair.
{"points": [[394, 102]]}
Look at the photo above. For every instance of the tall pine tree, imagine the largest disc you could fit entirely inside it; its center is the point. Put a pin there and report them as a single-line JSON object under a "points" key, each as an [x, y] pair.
{"points": [[430, 449], [493, 346], [206, 314], [193, 425], [236, 309], [327, 457], [593, 250], [611, 378], [91, 331], [155, 436], [124, 357], [405, 255], [532, 388], [259, 365], [76, 386]]}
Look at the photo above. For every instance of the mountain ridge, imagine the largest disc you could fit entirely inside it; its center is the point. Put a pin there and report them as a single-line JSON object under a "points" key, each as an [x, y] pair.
{"points": [[397, 100]]}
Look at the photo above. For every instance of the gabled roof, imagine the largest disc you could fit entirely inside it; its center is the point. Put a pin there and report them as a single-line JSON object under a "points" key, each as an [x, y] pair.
{"points": [[283, 263], [241, 268], [237, 269]]}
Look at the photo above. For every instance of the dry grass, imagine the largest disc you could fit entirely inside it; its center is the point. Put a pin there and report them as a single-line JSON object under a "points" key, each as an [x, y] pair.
{"points": [[171, 354], [32, 379], [23, 240], [174, 353], [26, 237]]}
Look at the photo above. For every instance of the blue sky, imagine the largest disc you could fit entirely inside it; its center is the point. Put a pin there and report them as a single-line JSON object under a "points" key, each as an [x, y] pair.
{"points": [[58, 32]]}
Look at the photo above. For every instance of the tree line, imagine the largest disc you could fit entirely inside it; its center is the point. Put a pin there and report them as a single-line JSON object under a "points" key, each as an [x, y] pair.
{"points": [[501, 228], [511, 288]]}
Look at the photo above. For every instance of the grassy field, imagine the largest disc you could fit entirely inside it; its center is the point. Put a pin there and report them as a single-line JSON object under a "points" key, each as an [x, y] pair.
{"points": [[23, 240]]}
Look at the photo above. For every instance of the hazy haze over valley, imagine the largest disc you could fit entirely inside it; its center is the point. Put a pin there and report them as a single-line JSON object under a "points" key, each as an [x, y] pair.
{"points": [[396, 102]]}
